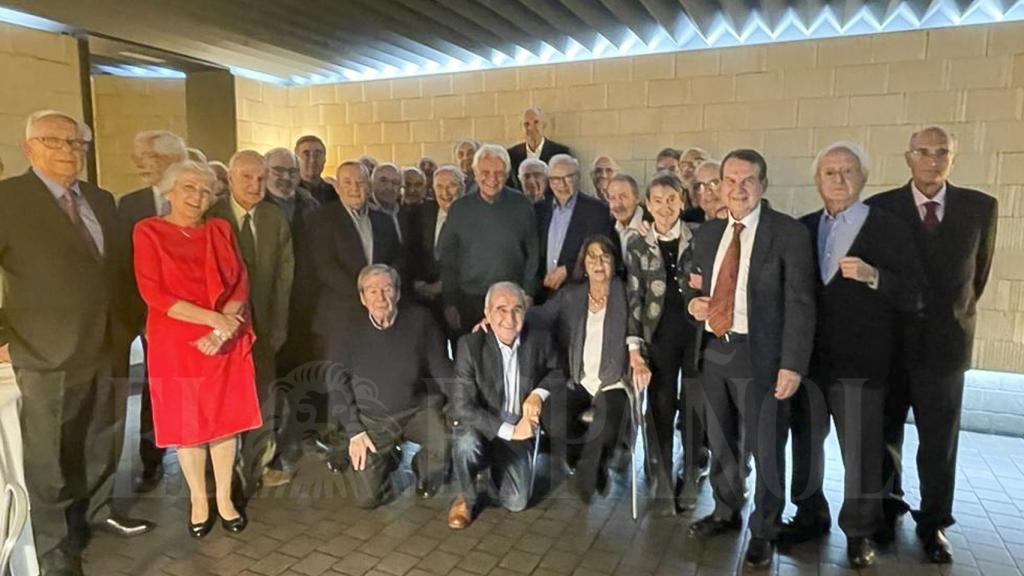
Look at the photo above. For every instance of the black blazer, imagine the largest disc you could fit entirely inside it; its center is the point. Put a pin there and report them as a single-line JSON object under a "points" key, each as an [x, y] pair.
{"points": [[517, 154], [132, 208], [478, 392], [590, 216], [565, 316], [857, 325], [321, 191], [338, 260], [956, 259], [780, 291], [61, 304], [418, 230]]}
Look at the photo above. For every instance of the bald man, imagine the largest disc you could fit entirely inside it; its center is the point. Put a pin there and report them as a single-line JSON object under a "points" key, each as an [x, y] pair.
{"points": [[536, 145], [265, 240]]}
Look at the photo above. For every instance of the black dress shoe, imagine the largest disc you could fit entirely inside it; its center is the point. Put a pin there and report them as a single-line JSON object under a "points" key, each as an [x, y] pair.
{"points": [[150, 478], [860, 553], [798, 530], [936, 546], [235, 525], [124, 527], [709, 526], [201, 529], [759, 553], [426, 489]]}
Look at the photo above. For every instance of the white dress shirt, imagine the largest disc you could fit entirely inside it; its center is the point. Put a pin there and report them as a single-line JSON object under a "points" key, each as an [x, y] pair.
{"points": [[240, 213], [534, 153], [626, 231], [361, 219], [510, 373], [739, 312], [920, 200]]}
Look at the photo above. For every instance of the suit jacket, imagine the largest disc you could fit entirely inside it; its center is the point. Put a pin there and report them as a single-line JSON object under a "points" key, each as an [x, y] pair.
{"points": [[419, 223], [478, 392], [517, 154], [304, 286], [589, 217], [270, 280], [60, 308], [956, 259], [132, 208], [780, 291], [322, 191], [857, 325], [339, 260], [565, 316]]}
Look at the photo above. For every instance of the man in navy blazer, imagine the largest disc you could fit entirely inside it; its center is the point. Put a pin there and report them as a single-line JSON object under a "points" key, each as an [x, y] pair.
{"points": [[565, 218], [757, 301], [954, 232]]}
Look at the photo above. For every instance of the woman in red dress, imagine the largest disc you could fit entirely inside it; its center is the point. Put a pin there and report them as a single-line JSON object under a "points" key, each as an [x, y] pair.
{"points": [[201, 373]]}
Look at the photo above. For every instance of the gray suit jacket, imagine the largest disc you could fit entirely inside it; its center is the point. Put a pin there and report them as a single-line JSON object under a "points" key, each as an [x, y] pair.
{"points": [[270, 284]]}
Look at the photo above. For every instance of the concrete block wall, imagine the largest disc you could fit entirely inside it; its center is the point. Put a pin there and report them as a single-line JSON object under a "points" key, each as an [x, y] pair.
{"points": [[39, 70], [124, 107]]}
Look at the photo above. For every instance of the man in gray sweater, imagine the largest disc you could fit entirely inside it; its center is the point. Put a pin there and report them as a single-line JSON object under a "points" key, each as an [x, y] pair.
{"points": [[490, 236]]}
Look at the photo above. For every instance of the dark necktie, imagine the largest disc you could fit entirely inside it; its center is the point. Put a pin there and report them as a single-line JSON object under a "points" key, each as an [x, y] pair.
{"points": [[70, 207], [931, 216], [247, 242], [720, 310]]}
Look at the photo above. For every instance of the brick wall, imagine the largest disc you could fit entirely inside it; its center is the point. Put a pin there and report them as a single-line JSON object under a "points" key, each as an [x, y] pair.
{"points": [[39, 70], [124, 107], [788, 100]]}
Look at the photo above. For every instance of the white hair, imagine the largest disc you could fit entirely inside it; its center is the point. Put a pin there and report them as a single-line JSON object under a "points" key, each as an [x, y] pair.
{"points": [[30, 124], [934, 128], [281, 151], [505, 287], [379, 270], [709, 162], [853, 148], [527, 163], [593, 165], [245, 154], [535, 109], [492, 151], [162, 142], [474, 143], [175, 171], [564, 159], [386, 165], [452, 169]]}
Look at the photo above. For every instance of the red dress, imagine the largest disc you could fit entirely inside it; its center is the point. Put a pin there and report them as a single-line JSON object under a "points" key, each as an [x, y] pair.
{"points": [[196, 398]]}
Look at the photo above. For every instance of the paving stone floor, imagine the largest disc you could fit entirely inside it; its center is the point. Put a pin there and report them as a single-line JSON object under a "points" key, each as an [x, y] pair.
{"points": [[311, 528]]}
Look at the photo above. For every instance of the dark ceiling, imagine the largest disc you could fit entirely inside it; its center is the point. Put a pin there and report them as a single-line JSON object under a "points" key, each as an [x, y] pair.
{"points": [[318, 40]]}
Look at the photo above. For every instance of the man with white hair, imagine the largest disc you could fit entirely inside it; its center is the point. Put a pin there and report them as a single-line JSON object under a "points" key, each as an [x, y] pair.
{"points": [[868, 275], [153, 153], [564, 220], [533, 175], [601, 173], [536, 145], [265, 242], [954, 231], [61, 255], [490, 236]]}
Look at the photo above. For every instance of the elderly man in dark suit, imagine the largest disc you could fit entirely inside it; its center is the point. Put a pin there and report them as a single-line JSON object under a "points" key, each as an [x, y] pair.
{"points": [[867, 275], [954, 231], [62, 259], [349, 236], [536, 145], [265, 241], [757, 282], [425, 227], [564, 219], [502, 378], [154, 152]]}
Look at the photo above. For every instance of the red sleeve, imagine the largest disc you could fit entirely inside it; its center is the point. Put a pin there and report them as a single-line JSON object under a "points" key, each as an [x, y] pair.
{"points": [[148, 274]]}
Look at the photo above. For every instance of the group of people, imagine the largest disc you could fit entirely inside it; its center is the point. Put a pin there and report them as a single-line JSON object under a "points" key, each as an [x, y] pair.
{"points": [[469, 307]]}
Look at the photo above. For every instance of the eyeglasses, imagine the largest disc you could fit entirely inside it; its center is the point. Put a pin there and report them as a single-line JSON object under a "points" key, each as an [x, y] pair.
{"points": [[939, 154], [602, 258], [712, 184], [54, 143], [563, 180]]}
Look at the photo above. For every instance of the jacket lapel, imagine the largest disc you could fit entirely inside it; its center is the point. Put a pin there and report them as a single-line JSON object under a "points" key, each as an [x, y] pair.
{"points": [[48, 204]]}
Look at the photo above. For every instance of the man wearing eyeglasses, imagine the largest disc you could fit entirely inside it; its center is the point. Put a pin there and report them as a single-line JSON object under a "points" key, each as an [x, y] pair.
{"points": [[564, 220], [61, 257], [706, 186], [954, 230]]}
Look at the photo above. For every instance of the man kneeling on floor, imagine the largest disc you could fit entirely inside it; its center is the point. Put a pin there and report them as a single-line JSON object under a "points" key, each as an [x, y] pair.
{"points": [[394, 367], [502, 378]]}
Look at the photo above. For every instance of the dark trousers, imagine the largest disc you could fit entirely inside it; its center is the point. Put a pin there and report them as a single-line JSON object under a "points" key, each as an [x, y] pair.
{"points": [[299, 397], [936, 400], [150, 454], [471, 311], [424, 426], [738, 405], [588, 445], [258, 445], [509, 462], [857, 409], [666, 352], [73, 430]]}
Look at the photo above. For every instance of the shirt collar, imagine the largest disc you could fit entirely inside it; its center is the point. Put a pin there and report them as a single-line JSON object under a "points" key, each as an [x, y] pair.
{"points": [[672, 234], [750, 220], [540, 146], [55, 188], [361, 213], [920, 199], [569, 204], [377, 324], [506, 348], [634, 222], [851, 212], [240, 212]]}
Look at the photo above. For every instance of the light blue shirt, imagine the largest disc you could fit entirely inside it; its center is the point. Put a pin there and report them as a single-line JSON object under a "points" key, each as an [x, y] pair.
{"points": [[559, 227], [511, 410], [836, 235], [85, 212]]}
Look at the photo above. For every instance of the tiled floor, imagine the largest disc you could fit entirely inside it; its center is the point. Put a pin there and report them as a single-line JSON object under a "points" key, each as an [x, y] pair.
{"points": [[310, 528]]}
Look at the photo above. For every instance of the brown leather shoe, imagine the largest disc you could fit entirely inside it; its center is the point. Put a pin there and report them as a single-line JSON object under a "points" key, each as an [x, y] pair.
{"points": [[459, 516]]}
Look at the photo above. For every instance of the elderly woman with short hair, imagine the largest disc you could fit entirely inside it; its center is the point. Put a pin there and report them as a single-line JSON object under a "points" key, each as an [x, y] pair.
{"points": [[201, 374]]}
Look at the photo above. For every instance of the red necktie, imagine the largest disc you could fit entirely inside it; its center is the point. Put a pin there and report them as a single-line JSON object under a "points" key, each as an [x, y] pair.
{"points": [[931, 216], [720, 310]]}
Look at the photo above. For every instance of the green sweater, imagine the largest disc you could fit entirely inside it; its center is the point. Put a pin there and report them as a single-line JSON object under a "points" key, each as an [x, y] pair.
{"points": [[483, 243]]}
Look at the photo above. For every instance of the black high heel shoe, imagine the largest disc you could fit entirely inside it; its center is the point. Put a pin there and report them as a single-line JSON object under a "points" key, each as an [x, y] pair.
{"points": [[234, 525], [201, 529]]}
